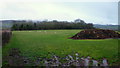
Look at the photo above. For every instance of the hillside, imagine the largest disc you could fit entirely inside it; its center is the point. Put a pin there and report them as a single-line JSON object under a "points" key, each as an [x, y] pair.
{"points": [[111, 27]]}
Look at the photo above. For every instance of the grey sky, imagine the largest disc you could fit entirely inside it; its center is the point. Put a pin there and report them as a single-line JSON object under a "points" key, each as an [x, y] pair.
{"points": [[90, 12]]}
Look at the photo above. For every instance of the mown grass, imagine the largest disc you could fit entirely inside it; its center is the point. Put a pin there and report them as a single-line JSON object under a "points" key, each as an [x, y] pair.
{"points": [[45, 43]]}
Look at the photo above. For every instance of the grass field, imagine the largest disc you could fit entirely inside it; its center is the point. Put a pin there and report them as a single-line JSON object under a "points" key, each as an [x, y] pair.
{"points": [[44, 43]]}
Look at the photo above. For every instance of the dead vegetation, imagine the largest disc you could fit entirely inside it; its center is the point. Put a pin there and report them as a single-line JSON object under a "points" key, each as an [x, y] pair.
{"points": [[6, 35]]}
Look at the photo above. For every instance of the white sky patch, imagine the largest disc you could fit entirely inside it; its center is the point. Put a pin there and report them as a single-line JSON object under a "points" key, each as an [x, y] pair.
{"points": [[98, 13], [39, 11], [60, 0]]}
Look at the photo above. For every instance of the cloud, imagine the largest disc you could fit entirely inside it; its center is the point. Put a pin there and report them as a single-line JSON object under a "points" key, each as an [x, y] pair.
{"points": [[93, 12]]}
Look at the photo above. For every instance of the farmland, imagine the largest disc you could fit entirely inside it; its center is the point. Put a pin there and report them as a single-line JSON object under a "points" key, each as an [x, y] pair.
{"points": [[45, 43]]}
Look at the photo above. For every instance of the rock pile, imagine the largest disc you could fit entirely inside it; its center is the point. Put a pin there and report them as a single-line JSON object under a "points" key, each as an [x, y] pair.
{"points": [[96, 34]]}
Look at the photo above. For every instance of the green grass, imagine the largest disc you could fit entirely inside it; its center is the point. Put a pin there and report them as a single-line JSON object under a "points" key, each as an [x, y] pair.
{"points": [[44, 44]]}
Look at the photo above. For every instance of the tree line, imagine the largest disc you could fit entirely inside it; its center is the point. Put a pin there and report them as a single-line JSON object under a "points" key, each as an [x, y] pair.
{"points": [[46, 25]]}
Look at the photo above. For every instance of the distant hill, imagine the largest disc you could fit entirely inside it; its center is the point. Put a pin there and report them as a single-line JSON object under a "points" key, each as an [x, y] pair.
{"points": [[111, 27], [6, 24]]}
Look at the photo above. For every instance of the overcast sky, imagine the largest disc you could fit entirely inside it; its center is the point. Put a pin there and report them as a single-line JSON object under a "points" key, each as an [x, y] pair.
{"points": [[90, 12]]}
